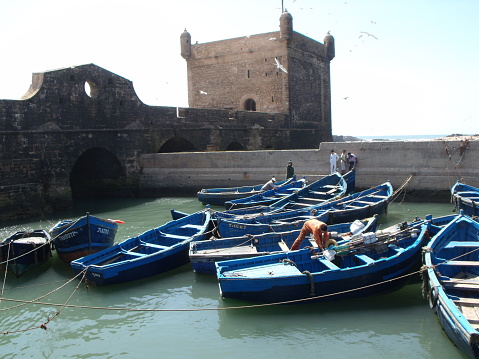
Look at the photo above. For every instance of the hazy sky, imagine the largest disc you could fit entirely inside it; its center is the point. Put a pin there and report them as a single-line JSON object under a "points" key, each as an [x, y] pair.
{"points": [[417, 73]]}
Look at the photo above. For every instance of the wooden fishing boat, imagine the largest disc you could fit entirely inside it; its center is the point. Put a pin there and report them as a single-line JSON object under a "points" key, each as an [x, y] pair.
{"points": [[86, 235], [466, 198], [365, 204], [378, 262], [218, 196], [313, 195], [25, 250], [152, 252], [267, 197], [204, 254], [452, 279]]}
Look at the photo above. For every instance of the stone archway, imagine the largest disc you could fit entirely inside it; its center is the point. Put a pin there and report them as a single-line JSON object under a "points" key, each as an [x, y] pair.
{"points": [[97, 173], [177, 144]]}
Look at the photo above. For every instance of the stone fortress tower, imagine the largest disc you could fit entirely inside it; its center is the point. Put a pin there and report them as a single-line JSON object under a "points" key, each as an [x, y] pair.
{"points": [[278, 72]]}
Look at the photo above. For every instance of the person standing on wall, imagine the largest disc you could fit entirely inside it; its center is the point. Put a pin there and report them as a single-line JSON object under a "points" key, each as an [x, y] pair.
{"points": [[333, 160], [289, 170], [343, 161], [353, 160]]}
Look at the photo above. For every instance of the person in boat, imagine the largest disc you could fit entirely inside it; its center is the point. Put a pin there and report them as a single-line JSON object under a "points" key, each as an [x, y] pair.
{"points": [[333, 160], [289, 170], [318, 229], [269, 185]]}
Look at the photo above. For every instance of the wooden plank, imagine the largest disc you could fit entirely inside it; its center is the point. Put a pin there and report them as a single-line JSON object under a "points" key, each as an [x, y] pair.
{"points": [[284, 247], [461, 286], [328, 264], [313, 242], [365, 258], [461, 263], [467, 301], [465, 244], [469, 313]]}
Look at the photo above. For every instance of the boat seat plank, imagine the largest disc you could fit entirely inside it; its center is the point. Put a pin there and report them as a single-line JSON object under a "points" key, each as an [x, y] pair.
{"points": [[313, 199], [465, 244], [461, 286], [462, 263], [194, 226], [176, 236], [154, 245], [470, 314], [284, 247], [365, 258], [328, 264], [467, 301], [136, 254], [313, 242], [460, 281], [365, 202]]}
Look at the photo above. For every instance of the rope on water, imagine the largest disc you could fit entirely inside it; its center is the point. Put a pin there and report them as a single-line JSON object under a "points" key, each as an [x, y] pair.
{"points": [[65, 305], [62, 306]]}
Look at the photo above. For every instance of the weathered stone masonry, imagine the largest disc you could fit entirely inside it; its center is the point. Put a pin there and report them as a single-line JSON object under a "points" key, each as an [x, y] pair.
{"points": [[80, 131]]}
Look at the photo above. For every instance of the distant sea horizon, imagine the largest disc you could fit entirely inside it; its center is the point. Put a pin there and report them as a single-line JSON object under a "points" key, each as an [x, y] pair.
{"points": [[400, 137]]}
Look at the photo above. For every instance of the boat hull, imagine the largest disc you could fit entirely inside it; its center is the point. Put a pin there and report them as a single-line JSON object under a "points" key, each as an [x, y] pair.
{"points": [[153, 252], [25, 250], [297, 275], [451, 258], [87, 235]]}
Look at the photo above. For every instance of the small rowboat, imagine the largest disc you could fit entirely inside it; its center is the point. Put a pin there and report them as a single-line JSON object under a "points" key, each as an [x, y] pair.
{"points": [[152, 252], [25, 250]]}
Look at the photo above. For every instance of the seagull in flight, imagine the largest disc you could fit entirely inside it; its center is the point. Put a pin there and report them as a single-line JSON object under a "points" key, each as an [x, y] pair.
{"points": [[279, 66], [203, 93], [366, 33]]}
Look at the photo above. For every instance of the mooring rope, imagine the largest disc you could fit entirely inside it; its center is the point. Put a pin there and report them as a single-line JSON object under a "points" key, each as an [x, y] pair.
{"points": [[66, 305], [401, 188], [49, 319]]}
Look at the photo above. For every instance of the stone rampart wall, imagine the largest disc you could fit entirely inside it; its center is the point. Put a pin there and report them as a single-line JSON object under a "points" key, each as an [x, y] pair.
{"points": [[435, 170]]}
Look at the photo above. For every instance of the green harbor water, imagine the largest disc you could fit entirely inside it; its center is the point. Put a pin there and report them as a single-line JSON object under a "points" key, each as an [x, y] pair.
{"points": [[180, 314]]}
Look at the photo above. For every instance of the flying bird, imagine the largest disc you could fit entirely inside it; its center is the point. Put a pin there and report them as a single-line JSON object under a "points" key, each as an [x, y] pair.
{"points": [[366, 33], [272, 38], [203, 93], [279, 66]]}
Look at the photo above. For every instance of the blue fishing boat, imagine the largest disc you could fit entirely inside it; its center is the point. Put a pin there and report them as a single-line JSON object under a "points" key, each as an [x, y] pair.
{"points": [[452, 281], [267, 197], [378, 262], [152, 252], [25, 250], [204, 254], [73, 239], [218, 196], [313, 195], [466, 198], [365, 204]]}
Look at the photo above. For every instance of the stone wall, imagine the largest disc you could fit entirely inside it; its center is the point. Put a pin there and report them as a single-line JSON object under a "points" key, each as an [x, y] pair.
{"points": [[434, 172]]}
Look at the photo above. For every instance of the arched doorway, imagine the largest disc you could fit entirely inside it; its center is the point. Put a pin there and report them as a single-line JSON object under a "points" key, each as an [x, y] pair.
{"points": [[250, 105], [97, 173]]}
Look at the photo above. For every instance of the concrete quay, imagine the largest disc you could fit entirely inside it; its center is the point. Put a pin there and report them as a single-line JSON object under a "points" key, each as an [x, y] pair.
{"points": [[435, 165]]}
